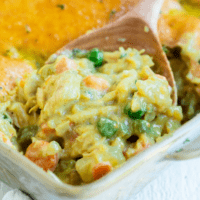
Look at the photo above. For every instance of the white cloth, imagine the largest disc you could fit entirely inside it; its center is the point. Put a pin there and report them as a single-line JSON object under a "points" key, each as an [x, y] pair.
{"points": [[15, 195]]}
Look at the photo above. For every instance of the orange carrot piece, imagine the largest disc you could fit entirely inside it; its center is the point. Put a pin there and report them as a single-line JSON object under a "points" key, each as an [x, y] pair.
{"points": [[5, 139], [96, 83], [101, 169], [65, 64], [34, 154], [47, 130]]}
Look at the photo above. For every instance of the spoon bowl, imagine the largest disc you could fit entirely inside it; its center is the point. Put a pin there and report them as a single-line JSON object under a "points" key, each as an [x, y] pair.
{"points": [[136, 29]]}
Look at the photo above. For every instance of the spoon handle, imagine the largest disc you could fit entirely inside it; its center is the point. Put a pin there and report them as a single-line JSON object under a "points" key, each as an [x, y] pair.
{"points": [[147, 10]]}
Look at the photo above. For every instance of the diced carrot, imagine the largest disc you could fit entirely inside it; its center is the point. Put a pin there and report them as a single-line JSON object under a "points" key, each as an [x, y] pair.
{"points": [[73, 136], [72, 124], [101, 169], [96, 83], [47, 130], [145, 145], [65, 64], [34, 153], [124, 152], [5, 139]]}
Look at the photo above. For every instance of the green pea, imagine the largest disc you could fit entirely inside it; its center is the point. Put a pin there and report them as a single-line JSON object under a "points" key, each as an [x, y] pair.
{"points": [[133, 115], [25, 134], [107, 127], [96, 56], [125, 129], [144, 126]]}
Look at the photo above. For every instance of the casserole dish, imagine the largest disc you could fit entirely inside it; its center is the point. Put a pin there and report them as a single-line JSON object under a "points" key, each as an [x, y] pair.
{"points": [[19, 172], [141, 168]]}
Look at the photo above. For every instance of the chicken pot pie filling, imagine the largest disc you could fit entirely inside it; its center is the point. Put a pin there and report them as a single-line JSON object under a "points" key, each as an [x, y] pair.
{"points": [[84, 113]]}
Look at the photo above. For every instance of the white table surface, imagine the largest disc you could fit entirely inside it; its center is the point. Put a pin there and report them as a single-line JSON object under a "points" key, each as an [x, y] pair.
{"points": [[180, 181]]}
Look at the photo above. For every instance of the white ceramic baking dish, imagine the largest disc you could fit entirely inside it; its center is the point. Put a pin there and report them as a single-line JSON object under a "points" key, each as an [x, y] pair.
{"points": [[18, 172]]}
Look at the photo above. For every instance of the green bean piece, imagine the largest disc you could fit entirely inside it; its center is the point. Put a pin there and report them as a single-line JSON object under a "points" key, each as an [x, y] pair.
{"points": [[107, 127], [133, 115], [25, 134], [96, 56]]}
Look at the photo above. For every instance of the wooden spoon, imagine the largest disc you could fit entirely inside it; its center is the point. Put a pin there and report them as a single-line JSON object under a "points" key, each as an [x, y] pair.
{"points": [[136, 29]]}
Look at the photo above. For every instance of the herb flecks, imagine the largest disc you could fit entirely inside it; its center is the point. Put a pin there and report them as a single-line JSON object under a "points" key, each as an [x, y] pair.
{"points": [[61, 6], [179, 150], [121, 39], [5, 116], [199, 61], [146, 29], [37, 64], [123, 55], [112, 12], [27, 28], [78, 53], [165, 49], [187, 140]]}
